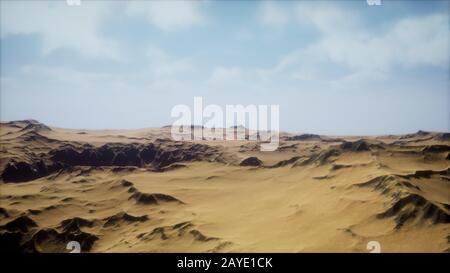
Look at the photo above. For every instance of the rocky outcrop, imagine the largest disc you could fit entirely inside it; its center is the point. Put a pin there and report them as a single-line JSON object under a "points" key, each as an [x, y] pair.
{"points": [[156, 155], [356, 146], [24, 171], [303, 137], [415, 207], [251, 161]]}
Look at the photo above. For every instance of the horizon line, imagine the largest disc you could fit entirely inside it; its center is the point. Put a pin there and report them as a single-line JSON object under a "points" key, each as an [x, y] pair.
{"points": [[231, 127]]}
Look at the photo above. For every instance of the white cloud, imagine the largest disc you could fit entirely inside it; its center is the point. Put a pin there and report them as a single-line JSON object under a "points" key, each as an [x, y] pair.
{"points": [[272, 14], [358, 80], [349, 55], [410, 42], [174, 67], [68, 76], [325, 17], [156, 53], [363, 54], [60, 25], [168, 15], [306, 74], [163, 65], [421, 40], [223, 75]]}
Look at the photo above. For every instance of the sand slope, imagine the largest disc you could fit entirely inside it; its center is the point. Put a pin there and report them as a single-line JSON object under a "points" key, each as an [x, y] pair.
{"points": [[139, 191]]}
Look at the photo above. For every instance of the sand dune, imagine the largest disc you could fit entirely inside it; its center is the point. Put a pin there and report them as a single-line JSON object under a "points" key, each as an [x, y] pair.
{"points": [[139, 191]]}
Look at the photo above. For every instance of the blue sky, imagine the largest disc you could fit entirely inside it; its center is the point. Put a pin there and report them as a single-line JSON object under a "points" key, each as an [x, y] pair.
{"points": [[337, 67]]}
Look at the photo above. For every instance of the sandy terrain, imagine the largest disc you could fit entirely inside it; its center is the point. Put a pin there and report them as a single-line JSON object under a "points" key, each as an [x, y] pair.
{"points": [[139, 191]]}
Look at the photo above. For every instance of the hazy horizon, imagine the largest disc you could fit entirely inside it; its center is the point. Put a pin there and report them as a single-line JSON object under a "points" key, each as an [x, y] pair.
{"points": [[334, 67]]}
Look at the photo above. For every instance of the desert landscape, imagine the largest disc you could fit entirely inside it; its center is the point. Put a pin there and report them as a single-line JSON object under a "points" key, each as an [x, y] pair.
{"points": [[140, 191]]}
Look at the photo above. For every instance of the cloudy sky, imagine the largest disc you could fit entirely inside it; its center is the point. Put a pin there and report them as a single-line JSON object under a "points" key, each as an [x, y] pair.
{"points": [[340, 67]]}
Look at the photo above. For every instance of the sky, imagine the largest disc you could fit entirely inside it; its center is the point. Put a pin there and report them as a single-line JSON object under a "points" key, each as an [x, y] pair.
{"points": [[333, 67]]}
